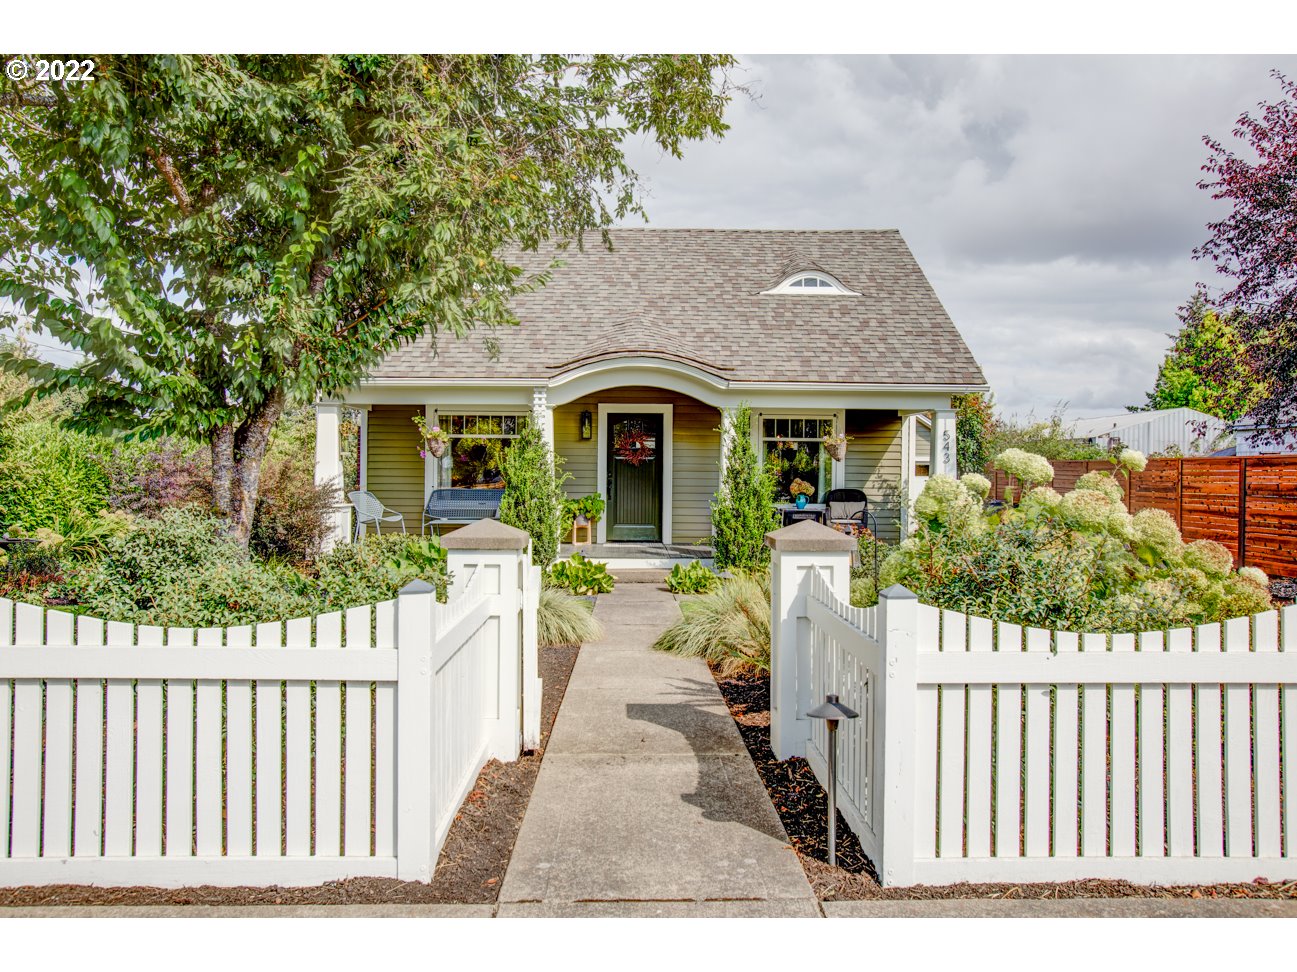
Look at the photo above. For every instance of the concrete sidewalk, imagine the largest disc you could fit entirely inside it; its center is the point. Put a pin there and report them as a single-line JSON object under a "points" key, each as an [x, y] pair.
{"points": [[647, 801]]}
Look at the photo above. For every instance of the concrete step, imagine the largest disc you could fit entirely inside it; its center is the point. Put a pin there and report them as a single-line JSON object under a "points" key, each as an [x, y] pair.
{"points": [[639, 575]]}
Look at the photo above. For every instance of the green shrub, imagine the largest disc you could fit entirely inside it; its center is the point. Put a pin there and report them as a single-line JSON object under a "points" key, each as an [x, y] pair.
{"points": [[562, 619], [28, 570], [48, 472], [691, 579], [81, 537], [533, 493], [730, 627], [863, 592], [1076, 562], [743, 509], [580, 576], [376, 568]]}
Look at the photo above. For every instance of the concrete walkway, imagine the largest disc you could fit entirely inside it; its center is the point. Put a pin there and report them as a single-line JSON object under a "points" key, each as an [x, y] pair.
{"points": [[647, 801]]}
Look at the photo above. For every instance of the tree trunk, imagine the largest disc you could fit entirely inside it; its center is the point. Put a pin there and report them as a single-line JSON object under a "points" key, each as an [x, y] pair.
{"points": [[237, 455]]}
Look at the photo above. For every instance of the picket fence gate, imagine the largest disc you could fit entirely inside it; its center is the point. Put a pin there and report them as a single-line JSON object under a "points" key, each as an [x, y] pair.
{"points": [[991, 752], [316, 749]]}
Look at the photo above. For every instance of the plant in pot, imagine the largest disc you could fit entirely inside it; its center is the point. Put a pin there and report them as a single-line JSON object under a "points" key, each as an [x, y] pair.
{"points": [[433, 439], [802, 491], [835, 446]]}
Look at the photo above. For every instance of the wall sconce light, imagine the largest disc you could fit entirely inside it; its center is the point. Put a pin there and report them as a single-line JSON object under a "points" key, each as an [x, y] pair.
{"points": [[587, 425]]}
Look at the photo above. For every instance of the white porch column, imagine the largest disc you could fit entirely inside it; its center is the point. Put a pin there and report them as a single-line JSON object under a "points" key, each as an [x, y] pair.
{"points": [[727, 420], [430, 464], [542, 413], [909, 488], [945, 455], [328, 469]]}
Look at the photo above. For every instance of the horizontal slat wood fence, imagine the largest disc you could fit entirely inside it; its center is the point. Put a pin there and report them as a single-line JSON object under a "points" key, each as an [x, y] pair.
{"points": [[990, 752], [1249, 504], [277, 753]]}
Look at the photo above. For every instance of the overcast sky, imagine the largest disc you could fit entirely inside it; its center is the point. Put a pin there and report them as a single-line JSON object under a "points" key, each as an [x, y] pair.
{"points": [[1052, 201]]}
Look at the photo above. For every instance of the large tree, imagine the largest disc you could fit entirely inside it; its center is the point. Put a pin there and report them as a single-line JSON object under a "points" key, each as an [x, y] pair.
{"points": [[222, 236], [1256, 246], [1207, 367]]}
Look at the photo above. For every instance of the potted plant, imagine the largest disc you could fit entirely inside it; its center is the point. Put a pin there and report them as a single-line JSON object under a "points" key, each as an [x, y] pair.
{"points": [[434, 440], [589, 508], [835, 446], [801, 491]]}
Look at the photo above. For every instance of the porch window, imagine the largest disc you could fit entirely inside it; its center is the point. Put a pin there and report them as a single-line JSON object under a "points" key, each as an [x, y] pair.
{"points": [[791, 448], [477, 445]]}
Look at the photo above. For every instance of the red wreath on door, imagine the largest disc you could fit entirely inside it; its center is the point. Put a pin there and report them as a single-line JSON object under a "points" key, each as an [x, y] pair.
{"points": [[633, 447]]}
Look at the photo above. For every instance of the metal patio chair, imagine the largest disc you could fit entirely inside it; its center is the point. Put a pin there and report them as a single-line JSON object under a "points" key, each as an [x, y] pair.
{"points": [[851, 507], [370, 510]]}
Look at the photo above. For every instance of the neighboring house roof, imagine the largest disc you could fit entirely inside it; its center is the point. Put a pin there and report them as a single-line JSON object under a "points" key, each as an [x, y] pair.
{"points": [[1090, 428], [1155, 431], [694, 296]]}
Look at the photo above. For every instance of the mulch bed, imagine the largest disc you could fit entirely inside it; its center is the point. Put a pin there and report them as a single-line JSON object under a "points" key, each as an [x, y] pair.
{"points": [[802, 806], [470, 869]]}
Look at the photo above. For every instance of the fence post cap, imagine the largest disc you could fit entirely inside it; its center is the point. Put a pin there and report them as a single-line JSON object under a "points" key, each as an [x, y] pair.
{"points": [[807, 536], [416, 587], [898, 592], [487, 535]]}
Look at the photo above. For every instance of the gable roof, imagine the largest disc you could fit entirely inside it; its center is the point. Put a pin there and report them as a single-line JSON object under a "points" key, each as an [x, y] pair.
{"points": [[695, 296]]}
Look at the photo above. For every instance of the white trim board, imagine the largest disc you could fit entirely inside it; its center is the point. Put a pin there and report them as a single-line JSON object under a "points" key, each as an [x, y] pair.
{"points": [[601, 481]]}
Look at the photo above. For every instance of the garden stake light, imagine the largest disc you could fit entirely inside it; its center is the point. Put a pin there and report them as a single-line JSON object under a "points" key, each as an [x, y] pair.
{"points": [[831, 711]]}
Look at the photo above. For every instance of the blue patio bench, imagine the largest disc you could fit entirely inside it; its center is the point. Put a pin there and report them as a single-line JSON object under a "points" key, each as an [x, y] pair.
{"points": [[460, 504]]}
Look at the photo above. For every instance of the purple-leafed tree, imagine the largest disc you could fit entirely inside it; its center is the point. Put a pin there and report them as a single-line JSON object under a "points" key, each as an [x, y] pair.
{"points": [[1256, 246]]}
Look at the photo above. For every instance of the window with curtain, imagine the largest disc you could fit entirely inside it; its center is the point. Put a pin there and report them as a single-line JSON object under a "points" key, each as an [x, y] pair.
{"points": [[791, 448], [477, 445]]}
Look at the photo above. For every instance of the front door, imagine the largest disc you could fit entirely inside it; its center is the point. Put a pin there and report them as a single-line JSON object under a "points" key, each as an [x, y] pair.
{"points": [[634, 477]]}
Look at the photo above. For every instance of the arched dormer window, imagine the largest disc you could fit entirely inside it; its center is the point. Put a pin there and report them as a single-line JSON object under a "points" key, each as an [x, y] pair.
{"points": [[811, 283]]}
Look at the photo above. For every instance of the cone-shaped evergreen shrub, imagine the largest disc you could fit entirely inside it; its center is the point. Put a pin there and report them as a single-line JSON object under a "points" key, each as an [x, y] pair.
{"points": [[533, 493], [743, 509]]}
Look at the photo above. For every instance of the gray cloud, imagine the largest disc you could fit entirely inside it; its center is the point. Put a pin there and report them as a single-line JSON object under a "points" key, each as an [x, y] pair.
{"points": [[1053, 201]]}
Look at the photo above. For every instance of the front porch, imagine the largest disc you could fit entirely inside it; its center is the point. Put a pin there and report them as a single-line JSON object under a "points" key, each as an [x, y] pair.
{"points": [[648, 443]]}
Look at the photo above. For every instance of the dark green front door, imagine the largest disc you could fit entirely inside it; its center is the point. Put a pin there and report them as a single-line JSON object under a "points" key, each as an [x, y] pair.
{"points": [[634, 477]]}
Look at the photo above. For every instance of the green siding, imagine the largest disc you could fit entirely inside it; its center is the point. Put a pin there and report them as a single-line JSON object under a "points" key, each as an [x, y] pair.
{"points": [[395, 469], [695, 452], [874, 464]]}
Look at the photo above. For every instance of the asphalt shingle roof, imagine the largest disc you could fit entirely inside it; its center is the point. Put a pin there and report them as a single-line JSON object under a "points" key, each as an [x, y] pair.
{"points": [[695, 296]]}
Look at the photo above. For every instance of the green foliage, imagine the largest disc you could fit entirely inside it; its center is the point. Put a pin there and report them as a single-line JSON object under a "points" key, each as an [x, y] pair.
{"points": [[591, 507], [743, 509], [1051, 438], [863, 591], [48, 473], [692, 579], [376, 568], [730, 627], [562, 619], [1075, 562], [77, 536], [533, 493], [1207, 367], [27, 569], [974, 420], [226, 235], [580, 576]]}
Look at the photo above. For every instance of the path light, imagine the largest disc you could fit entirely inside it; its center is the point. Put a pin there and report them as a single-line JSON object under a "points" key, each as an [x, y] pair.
{"points": [[831, 711]]}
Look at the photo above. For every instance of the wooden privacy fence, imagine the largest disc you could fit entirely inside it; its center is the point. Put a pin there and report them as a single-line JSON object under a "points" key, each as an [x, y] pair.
{"points": [[293, 753], [1249, 504], [989, 752]]}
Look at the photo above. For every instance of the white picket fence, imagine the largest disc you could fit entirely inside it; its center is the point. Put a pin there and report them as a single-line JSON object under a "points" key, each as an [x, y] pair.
{"points": [[293, 753], [989, 752]]}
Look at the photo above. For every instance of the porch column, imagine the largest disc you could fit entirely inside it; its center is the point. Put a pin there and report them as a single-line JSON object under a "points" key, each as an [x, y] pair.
{"points": [[430, 463], [542, 413], [945, 455], [727, 419], [909, 425], [328, 469]]}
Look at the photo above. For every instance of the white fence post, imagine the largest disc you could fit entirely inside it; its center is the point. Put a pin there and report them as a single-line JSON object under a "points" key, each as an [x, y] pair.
{"points": [[501, 554], [895, 749], [794, 551], [328, 470], [415, 822]]}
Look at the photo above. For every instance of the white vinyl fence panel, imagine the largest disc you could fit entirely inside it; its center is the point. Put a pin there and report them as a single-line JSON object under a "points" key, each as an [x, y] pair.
{"points": [[266, 754], [991, 752]]}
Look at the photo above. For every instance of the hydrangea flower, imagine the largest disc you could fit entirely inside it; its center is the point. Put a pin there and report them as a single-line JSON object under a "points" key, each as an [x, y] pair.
{"points": [[1157, 530], [977, 484], [1042, 499], [1089, 509], [1212, 558], [1027, 467], [942, 499], [1254, 574], [1103, 483], [1132, 460]]}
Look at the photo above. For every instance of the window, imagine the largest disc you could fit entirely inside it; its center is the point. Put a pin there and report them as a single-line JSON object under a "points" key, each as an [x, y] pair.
{"points": [[792, 448], [477, 444], [807, 282]]}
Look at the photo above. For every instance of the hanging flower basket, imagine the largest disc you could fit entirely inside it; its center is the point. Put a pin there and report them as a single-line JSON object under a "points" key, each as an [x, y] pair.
{"points": [[432, 439], [634, 447], [436, 448], [836, 447]]}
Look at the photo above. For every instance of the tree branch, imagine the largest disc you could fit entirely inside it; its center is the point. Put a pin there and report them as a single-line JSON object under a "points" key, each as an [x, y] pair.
{"points": [[168, 170]]}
